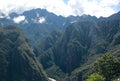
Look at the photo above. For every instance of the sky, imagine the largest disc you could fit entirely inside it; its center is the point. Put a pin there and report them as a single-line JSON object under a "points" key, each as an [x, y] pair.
{"points": [[65, 8]]}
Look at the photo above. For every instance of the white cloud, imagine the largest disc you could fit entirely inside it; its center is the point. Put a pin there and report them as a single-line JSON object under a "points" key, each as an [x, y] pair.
{"points": [[59, 7], [94, 7], [19, 19], [41, 20], [2, 16]]}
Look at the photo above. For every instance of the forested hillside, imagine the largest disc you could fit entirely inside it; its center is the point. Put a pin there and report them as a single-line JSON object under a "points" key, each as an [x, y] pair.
{"points": [[79, 47], [17, 60]]}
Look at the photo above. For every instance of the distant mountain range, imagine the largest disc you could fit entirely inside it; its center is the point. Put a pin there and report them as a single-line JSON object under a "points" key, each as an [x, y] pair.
{"points": [[38, 23]]}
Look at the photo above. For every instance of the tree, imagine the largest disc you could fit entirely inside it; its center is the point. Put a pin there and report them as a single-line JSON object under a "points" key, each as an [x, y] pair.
{"points": [[95, 77], [108, 66]]}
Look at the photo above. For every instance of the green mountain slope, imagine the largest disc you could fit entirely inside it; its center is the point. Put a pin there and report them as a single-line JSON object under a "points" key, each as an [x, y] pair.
{"points": [[76, 44], [17, 60], [108, 42], [79, 46]]}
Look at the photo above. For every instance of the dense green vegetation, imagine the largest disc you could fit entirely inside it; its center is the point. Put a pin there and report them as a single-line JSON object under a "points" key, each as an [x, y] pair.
{"points": [[95, 77], [108, 66], [17, 60]]}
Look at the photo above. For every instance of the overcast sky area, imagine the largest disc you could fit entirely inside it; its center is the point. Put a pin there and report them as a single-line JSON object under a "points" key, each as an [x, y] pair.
{"points": [[65, 8]]}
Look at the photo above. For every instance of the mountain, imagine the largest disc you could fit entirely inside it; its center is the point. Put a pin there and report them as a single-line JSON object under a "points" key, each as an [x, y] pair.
{"points": [[17, 60], [112, 17], [48, 42], [115, 16], [109, 31], [76, 44], [79, 46], [38, 23], [66, 47]]}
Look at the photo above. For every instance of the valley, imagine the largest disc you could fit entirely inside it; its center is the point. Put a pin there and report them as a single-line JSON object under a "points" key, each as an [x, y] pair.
{"points": [[45, 46]]}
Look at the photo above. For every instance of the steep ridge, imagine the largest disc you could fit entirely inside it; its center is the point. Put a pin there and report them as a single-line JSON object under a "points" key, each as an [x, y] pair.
{"points": [[109, 31], [17, 60], [79, 40], [80, 45]]}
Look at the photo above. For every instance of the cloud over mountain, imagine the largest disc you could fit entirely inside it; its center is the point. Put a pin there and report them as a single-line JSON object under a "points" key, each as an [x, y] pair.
{"points": [[41, 20], [19, 19], [62, 7]]}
